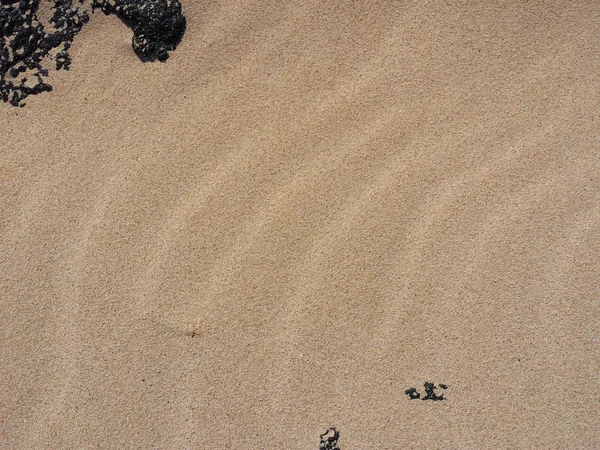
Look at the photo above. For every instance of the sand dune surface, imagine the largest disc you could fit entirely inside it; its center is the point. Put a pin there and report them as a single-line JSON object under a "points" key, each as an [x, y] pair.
{"points": [[311, 207]]}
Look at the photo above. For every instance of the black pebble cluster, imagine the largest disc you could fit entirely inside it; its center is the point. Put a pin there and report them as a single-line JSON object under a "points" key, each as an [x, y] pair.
{"points": [[429, 392], [25, 43]]}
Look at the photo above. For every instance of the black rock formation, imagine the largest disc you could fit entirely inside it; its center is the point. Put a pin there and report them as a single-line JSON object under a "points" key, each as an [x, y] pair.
{"points": [[157, 25], [25, 43]]}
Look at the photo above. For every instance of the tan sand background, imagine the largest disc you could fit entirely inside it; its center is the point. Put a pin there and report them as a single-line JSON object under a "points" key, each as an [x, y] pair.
{"points": [[311, 207]]}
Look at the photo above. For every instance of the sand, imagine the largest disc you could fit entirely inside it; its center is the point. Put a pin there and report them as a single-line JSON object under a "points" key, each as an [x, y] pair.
{"points": [[308, 209]]}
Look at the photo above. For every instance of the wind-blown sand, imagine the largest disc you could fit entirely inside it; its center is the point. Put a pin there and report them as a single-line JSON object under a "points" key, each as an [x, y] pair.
{"points": [[308, 209]]}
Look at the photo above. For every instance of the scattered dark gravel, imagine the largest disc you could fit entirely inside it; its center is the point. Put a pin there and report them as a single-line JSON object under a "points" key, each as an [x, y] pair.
{"points": [[26, 43]]}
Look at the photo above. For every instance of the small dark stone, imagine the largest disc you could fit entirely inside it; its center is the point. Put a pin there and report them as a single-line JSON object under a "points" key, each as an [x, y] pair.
{"points": [[412, 393], [430, 392], [63, 61], [329, 440], [15, 71]]}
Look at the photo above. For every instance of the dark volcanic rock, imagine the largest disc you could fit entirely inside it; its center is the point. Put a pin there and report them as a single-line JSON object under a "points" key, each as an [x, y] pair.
{"points": [[157, 25], [25, 43]]}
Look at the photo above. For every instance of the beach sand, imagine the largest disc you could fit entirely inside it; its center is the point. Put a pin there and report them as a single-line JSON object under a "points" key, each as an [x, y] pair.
{"points": [[310, 208]]}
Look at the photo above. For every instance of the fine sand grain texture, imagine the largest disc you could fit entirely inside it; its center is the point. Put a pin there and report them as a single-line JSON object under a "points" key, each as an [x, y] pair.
{"points": [[310, 208]]}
